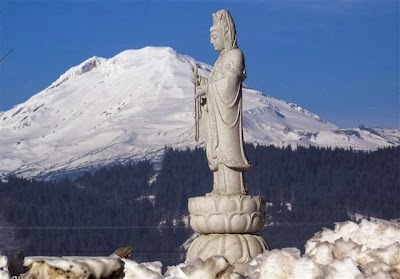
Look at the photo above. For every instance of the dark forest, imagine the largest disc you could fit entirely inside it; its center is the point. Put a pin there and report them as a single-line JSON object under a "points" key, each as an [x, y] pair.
{"points": [[306, 189]]}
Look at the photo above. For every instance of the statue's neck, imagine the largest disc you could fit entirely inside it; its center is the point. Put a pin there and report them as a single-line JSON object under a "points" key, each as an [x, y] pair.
{"points": [[222, 53]]}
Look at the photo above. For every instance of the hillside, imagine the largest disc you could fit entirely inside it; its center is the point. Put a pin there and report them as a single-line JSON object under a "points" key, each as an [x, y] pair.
{"points": [[131, 106]]}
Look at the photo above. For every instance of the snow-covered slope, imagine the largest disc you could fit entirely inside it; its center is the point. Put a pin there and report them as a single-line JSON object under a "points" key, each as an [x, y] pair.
{"points": [[132, 105]]}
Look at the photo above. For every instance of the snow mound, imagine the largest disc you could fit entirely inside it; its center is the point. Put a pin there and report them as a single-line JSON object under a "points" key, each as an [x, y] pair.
{"points": [[134, 270], [366, 234], [214, 267], [369, 247], [351, 250], [285, 263], [4, 274], [72, 267]]}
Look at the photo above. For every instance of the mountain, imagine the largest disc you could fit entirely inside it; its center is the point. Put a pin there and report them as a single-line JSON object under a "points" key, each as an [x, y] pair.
{"points": [[131, 106]]}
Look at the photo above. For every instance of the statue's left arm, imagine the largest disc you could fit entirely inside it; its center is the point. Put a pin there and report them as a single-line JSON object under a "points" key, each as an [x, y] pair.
{"points": [[235, 73]]}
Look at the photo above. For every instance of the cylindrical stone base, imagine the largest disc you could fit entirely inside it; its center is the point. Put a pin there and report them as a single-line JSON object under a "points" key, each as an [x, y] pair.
{"points": [[219, 214], [236, 248]]}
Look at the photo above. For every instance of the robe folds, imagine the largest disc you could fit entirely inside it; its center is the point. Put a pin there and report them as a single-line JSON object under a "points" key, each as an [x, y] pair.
{"points": [[222, 116]]}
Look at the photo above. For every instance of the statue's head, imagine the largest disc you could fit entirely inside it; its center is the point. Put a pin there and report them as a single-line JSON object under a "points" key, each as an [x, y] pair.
{"points": [[223, 31]]}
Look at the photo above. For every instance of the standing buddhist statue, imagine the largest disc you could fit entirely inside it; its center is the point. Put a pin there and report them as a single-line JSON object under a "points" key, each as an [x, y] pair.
{"points": [[227, 218], [221, 107]]}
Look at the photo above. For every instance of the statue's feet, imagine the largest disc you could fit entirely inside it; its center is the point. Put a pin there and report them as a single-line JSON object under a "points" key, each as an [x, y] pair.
{"points": [[215, 193], [225, 193]]}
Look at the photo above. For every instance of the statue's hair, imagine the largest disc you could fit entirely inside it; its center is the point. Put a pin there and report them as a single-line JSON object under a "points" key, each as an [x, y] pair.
{"points": [[224, 21]]}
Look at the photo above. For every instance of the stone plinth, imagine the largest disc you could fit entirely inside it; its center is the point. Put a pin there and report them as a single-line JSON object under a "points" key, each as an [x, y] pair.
{"points": [[228, 224], [227, 214], [236, 248]]}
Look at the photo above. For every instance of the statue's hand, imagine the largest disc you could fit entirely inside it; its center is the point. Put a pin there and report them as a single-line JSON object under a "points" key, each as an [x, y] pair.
{"points": [[195, 76], [200, 91], [195, 80]]}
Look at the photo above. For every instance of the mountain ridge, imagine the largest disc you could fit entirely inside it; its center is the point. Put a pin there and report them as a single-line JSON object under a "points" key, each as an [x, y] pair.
{"points": [[130, 106]]}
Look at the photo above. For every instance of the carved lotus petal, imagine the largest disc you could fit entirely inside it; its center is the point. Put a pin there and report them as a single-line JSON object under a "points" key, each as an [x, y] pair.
{"points": [[240, 222], [217, 223], [203, 205], [251, 204], [198, 223], [257, 221], [236, 248], [191, 205], [228, 204]]}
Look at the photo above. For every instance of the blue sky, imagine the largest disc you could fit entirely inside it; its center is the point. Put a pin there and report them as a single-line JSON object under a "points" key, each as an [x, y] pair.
{"points": [[338, 59]]}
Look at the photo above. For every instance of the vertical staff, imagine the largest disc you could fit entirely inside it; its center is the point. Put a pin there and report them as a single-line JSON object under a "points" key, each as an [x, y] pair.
{"points": [[196, 105]]}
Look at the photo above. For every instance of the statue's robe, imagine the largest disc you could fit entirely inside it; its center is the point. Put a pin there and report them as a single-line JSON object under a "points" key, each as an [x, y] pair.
{"points": [[222, 119]]}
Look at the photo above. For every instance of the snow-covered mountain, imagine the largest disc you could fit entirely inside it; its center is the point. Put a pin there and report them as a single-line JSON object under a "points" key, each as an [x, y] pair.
{"points": [[133, 105]]}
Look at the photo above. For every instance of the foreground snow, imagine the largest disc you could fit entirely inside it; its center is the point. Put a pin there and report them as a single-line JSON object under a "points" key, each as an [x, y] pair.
{"points": [[351, 250], [365, 250], [4, 274]]}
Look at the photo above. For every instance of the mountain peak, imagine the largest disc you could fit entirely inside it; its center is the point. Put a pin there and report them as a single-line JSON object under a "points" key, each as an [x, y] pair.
{"points": [[130, 106], [82, 68]]}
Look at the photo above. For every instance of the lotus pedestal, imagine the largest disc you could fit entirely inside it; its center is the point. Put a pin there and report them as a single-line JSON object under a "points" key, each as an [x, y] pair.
{"points": [[228, 224]]}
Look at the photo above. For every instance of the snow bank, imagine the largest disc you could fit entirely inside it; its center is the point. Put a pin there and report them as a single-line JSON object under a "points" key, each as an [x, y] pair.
{"points": [[367, 234], [351, 251], [287, 264], [373, 248], [4, 274], [365, 250], [214, 267], [134, 270], [72, 267]]}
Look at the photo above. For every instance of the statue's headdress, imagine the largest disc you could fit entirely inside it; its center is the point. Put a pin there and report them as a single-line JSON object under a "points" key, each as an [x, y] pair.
{"points": [[222, 21]]}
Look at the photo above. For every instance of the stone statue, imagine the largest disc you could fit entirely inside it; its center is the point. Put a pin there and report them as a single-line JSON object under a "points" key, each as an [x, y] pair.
{"points": [[227, 218], [221, 100]]}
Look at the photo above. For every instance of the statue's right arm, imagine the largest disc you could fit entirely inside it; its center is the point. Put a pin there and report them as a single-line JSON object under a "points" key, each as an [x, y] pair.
{"points": [[197, 79], [201, 86]]}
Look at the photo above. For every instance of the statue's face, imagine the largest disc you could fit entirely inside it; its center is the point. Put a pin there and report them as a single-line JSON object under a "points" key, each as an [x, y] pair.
{"points": [[217, 40]]}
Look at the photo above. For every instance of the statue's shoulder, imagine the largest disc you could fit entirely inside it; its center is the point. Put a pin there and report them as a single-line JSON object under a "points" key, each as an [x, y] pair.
{"points": [[236, 57]]}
